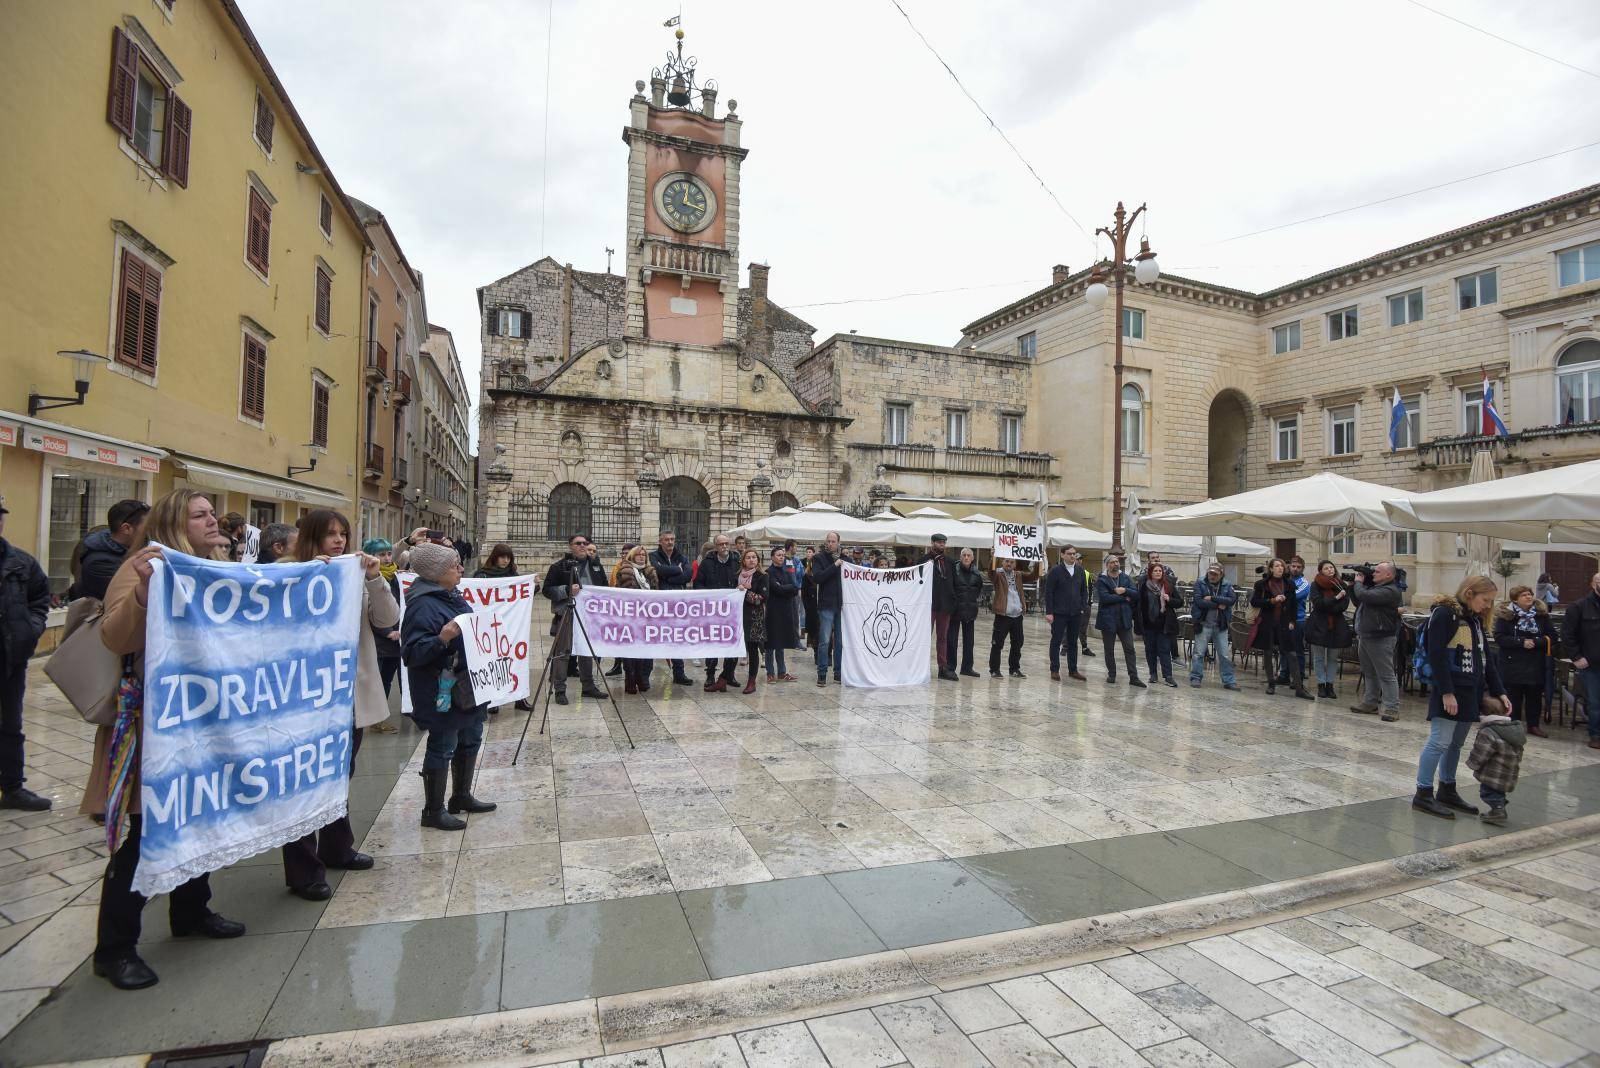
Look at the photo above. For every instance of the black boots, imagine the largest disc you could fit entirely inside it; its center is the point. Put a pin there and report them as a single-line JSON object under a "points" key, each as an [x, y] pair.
{"points": [[433, 813], [1325, 690], [1424, 802], [461, 799], [1447, 796], [1496, 815]]}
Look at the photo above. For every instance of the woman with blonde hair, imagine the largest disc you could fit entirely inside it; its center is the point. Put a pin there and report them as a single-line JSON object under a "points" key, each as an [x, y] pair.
{"points": [[1464, 675], [183, 520], [1526, 637], [323, 534], [635, 573]]}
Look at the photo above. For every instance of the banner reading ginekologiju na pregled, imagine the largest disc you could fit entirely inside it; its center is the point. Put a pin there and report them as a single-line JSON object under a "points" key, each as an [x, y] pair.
{"points": [[659, 624]]}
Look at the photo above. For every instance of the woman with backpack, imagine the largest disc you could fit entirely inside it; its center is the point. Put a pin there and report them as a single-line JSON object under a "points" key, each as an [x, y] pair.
{"points": [[1327, 629], [1464, 680], [1526, 637]]}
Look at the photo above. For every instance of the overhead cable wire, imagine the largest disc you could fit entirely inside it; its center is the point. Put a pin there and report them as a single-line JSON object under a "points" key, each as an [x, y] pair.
{"points": [[990, 119], [1504, 40]]}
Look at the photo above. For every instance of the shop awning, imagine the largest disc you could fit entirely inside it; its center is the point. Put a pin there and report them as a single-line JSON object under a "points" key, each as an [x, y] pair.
{"points": [[208, 474], [54, 439]]}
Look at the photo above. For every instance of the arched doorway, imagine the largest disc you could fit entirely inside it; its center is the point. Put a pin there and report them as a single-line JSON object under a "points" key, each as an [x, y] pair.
{"points": [[1227, 443], [686, 511], [783, 499]]}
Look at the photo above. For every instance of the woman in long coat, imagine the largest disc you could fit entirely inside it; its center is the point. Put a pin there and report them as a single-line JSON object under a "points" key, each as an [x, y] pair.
{"points": [[753, 581], [1274, 599], [782, 588], [1327, 626], [635, 573], [1527, 638], [808, 600]]}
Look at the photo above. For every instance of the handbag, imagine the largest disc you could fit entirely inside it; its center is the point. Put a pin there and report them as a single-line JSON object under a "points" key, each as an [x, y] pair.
{"points": [[455, 688], [83, 669]]}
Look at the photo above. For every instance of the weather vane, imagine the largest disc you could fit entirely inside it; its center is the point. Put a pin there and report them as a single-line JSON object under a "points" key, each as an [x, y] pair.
{"points": [[679, 71]]}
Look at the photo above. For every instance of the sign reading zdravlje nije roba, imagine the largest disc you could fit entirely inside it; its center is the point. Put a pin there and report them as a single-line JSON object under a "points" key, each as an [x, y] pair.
{"points": [[1019, 541]]}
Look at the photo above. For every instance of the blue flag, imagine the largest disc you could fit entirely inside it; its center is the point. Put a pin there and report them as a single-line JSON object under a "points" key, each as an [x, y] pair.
{"points": [[249, 704], [1397, 420]]}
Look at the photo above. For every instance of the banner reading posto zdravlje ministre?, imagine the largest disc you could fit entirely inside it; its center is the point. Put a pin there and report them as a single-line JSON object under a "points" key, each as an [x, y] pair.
{"points": [[249, 704]]}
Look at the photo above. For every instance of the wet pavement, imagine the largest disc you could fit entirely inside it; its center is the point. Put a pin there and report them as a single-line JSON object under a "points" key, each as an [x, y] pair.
{"points": [[742, 834]]}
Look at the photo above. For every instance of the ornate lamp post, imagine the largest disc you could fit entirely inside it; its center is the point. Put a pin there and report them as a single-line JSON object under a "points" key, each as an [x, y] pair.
{"points": [[1145, 272]]}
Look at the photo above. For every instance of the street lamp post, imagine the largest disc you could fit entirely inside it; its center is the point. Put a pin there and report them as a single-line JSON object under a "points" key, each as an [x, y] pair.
{"points": [[1145, 272]]}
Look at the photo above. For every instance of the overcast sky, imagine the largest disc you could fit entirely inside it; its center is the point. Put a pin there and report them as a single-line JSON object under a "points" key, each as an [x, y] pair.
{"points": [[870, 175]]}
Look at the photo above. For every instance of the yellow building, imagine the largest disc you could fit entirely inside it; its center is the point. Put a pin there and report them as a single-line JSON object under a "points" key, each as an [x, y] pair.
{"points": [[165, 207]]}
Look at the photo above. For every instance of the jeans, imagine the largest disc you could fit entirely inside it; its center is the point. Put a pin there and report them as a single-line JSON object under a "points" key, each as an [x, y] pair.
{"points": [[962, 628], [121, 907], [1527, 702], [1442, 751], [830, 642], [677, 669], [1590, 677], [1379, 682], [1325, 662], [1491, 797], [11, 687], [776, 651], [1006, 627], [1065, 630], [1158, 654], [1108, 638], [1211, 635], [941, 638], [461, 735]]}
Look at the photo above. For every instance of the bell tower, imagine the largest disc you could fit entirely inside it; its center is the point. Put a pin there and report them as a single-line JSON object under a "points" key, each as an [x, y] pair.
{"points": [[683, 209]]}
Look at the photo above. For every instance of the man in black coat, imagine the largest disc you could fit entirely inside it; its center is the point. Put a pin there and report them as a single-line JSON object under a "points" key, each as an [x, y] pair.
{"points": [[579, 568], [673, 571], [719, 570], [944, 604], [1066, 606], [24, 604], [104, 550], [1580, 632], [825, 578]]}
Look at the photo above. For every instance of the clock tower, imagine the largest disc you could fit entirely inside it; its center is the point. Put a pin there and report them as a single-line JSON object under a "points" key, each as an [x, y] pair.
{"points": [[683, 209]]}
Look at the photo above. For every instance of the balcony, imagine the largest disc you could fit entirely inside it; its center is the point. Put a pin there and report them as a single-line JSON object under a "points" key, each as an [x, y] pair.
{"points": [[399, 478], [374, 462], [928, 459], [402, 387], [693, 261], [377, 362], [1568, 441]]}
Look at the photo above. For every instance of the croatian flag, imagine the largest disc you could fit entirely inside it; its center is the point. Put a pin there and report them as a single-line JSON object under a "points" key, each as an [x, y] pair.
{"points": [[1397, 419], [1492, 424]]}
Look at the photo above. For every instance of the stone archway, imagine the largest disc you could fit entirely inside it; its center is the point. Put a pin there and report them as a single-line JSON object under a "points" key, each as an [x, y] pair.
{"points": [[1227, 443], [686, 511]]}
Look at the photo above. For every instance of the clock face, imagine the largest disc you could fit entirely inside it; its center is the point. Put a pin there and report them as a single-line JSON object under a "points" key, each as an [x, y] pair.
{"points": [[684, 204]]}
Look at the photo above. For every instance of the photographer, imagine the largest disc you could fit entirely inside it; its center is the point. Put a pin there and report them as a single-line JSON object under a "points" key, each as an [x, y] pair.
{"points": [[1378, 601]]}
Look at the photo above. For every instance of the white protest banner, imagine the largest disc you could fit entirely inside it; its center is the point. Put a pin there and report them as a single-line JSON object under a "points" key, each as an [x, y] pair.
{"points": [[659, 624], [498, 636], [249, 710], [1019, 541], [888, 624]]}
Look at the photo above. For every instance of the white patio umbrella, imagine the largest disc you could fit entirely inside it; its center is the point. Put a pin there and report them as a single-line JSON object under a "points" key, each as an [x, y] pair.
{"points": [[1483, 550], [1558, 505], [756, 528], [813, 522], [1303, 508], [1194, 545], [1059, 532], [921, 525]]}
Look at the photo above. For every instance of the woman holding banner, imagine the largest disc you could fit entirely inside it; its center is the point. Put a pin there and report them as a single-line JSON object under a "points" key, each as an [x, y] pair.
{"points": [[430, 641], [635, 573], [324, 534], [783, 587], [753, 581], [185, 520]]}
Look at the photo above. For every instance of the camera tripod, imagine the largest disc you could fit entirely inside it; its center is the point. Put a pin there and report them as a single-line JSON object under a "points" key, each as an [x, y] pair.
{"points": [[547, 687]]}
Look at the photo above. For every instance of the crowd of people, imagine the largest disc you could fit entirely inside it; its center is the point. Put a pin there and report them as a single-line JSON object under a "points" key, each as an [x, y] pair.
{"points": [[1480, 664]]}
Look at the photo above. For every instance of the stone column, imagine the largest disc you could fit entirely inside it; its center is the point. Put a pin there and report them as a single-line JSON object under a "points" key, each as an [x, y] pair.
{"points": [[649, 506], [497, 506]]}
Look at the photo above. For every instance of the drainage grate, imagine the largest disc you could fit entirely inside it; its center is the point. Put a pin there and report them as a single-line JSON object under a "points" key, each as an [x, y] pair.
{"points": [[237, 1055]]}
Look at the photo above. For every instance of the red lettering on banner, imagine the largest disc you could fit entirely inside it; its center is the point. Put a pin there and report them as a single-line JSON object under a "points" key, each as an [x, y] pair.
{"points": [[8, 435], [149, 463], [54, 444], [106, 456]]}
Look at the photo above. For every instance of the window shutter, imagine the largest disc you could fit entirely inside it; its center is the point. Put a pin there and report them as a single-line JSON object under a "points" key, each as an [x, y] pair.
{"points": [[494, 322], [124, 82], [265, 121], [325, 216], [527, 326], [319, 415], [253, 385], [129, 313], [149, 330], [259, 242], [180, 119], [324, 301]]}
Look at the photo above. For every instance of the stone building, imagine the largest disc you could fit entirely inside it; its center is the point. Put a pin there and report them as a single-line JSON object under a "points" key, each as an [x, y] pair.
{"points": [[442, 494], [619, 405], [1227, 390]]}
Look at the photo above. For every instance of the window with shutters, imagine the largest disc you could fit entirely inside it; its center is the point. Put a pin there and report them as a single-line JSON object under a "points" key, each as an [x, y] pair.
{"points": [[258, 234], [264, 122], [510, 322], [324, 301], [138, 313], [253, 380], [154, 122], [320, 389], [325, 217]]}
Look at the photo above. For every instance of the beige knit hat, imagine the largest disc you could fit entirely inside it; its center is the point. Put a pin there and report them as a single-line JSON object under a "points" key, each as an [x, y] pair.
{"points": [[431, 561]]}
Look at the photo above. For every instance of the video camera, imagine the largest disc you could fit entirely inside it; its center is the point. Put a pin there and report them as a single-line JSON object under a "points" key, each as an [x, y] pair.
{"points": [[1348, 575]]}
